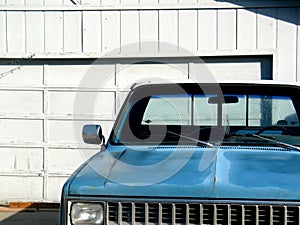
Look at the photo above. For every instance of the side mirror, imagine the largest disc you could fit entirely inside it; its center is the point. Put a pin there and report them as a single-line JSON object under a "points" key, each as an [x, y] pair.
{"points": [[92, 134]]}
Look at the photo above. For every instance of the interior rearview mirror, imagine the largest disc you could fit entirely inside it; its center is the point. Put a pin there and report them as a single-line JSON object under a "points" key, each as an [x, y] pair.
{"points": [[224, 100]]}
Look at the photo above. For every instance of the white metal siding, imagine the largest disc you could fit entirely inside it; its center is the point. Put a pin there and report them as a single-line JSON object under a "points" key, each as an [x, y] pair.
{"points": [[201, 31], [39, 146]]}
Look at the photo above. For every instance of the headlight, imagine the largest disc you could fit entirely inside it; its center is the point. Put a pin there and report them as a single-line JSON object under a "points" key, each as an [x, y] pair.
{"points": [[87, 213]]}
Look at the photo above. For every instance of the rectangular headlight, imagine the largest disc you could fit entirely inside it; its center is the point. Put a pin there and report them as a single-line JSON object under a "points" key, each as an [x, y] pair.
{"points": [[87, 213]]}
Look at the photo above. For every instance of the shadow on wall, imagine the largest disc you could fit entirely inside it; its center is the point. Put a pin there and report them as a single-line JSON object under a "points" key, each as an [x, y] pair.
{"points": [[33, 214], [289, 13]]}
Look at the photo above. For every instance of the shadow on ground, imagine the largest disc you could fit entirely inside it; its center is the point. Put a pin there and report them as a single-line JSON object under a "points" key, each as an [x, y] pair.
{"points": [[29, 216]]}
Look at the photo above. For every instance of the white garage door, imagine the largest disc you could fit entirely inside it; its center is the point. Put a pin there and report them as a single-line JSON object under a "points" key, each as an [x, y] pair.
{"points": [[44, 103]]}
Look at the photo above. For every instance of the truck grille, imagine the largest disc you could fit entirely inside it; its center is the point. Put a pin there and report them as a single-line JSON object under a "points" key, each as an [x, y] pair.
{"points": [[203, 214]]}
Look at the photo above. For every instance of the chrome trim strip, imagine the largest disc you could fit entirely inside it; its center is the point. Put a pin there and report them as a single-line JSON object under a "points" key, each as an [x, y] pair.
{"points": [[183, 201], [285, 215], [187, 214], [173, 214], [133, 213], [201, 214], [228, 213], [243, 214], [215, 215], [256, 215], [106, 213], [119, 213], [159, 214], [271, 215], [146, 214]]}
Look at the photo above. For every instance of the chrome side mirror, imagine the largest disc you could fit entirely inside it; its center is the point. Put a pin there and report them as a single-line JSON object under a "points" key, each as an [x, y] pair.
{"points": [[92, 134]]}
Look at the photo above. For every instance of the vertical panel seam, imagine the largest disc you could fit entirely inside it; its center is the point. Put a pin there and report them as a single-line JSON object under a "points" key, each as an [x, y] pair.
{"points": [[81, 27], [277, 28], [6, 30], [178, 30], [63, 30], [45, 131], [297, 43], [158, 33], [140, 30], [197, 30], [256, 29], [25, 32], [157, 17], [120, 31], [236, 28], [101, 30], [44, 30], [217, 29], [120, 27], [115, 73], [115, 103]]}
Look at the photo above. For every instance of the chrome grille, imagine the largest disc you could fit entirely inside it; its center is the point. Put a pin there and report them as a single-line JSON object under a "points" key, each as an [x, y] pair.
{"points": [[203, 214]]}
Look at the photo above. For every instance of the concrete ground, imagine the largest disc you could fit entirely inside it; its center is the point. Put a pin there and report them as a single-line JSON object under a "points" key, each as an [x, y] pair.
{"points": [[23, 217]]}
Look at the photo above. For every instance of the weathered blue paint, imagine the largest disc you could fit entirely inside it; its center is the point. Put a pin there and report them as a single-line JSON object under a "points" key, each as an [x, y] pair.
{"points": [[247, 173]]}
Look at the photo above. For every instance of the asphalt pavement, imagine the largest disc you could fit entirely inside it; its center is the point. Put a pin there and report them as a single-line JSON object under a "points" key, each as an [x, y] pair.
{"points": [[25, 217]]}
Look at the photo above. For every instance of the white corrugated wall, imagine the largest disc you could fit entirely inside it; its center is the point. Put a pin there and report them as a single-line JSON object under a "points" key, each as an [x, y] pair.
{"points": [[46, 47]]}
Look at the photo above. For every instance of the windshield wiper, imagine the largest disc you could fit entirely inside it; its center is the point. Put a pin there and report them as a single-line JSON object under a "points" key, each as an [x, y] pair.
{"points": [[241, 135], [274, 127], [276, 142], [265, 138], [193, 139]]}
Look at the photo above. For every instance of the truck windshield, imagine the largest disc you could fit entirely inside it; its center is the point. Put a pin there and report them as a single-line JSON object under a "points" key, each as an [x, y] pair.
{"points": [[252, 110], [155, 119]]}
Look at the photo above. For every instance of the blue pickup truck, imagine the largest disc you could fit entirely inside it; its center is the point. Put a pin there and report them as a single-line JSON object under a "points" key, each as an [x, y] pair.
{"points": [[191, 153]]}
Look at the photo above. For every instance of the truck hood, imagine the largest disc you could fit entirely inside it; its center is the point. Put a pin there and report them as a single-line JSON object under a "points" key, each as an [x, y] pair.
{"points": [[191, 172]]}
